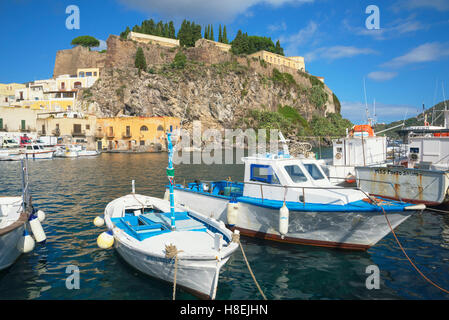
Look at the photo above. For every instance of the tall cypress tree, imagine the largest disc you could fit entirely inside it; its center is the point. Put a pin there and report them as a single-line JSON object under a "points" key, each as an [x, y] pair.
{"points": [[220, 38], [171, 30], [224, 36], [212, 33]]}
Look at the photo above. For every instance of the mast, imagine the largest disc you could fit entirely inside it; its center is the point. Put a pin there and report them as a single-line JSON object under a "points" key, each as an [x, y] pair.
{"points": [[171, 176]]}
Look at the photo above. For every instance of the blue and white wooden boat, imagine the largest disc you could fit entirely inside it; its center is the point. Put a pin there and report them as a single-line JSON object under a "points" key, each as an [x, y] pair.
{"points": [[169, 242], [291, 200]]}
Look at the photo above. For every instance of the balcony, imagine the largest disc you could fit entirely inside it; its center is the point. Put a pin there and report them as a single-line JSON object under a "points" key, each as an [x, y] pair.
{"points": [[126, 135], [99, 134], [79, 133], [110, 134], [27, 129], [4, 128]]}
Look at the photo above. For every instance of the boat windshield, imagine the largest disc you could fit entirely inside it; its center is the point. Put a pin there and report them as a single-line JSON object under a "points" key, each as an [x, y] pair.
{"points": [[295, 173], [313, 171]]}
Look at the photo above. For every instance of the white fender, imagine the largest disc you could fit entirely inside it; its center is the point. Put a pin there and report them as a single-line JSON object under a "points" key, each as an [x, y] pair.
{"points": [[26, 243], [283, 220], [232, 212], [36, 228]]}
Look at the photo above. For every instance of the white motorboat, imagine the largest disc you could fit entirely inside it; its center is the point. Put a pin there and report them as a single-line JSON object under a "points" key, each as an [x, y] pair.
{"points": [[169, 242], [291, 200], [83, 152], [18, 220], [68, 151], [35, 151]]}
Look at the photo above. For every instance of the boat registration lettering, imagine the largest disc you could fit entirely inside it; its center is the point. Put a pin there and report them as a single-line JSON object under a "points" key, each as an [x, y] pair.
{"points": [[396, 172]]}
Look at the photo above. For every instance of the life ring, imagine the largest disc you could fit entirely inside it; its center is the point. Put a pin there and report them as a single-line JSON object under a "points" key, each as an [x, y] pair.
{"points": [[338, 156]]}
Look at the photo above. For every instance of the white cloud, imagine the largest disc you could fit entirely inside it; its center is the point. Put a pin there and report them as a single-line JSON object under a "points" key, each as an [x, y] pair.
{"points": [[440, 5], [102, 46], [292, 42], [203, 11], [337, 52], [356, 111], [391, 30], [431, 51], [277, 27], [382, 75]]}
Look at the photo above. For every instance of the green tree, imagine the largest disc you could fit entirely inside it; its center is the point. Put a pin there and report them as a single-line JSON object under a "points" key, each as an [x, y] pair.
{"points": [[125, 33], [211, 33], [220, 37], [225, 37], [140, 62], [179, 61], [189, 33], [85, 41]]}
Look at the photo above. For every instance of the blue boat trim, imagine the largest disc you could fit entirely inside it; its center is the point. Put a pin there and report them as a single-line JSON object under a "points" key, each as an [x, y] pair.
{"points": [[356, 206]]}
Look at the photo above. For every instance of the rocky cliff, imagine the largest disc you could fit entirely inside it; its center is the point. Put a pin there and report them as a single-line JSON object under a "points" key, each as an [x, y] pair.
{"points": [[215, 87]]}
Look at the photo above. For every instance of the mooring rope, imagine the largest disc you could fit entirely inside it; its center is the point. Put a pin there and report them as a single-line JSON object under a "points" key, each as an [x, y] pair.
{"points": [[236, 238], [437, 210], [408, 258], [172, 252]]}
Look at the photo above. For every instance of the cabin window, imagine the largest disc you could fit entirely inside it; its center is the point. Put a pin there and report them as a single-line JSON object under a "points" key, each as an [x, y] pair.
{"points": [[414, 150], [314, 171], [295, 173], [263, 173]]}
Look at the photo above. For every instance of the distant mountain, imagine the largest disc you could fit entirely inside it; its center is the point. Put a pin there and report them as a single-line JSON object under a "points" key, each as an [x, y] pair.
{"points": [[432, 113]]}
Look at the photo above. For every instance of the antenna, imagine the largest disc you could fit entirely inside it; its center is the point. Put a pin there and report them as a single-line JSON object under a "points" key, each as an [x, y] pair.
{"points": [[366, 103]]}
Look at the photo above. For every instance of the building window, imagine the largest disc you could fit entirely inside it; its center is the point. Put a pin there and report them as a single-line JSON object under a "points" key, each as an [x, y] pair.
{"points": [[142, 142], [1, 124], [81, 74], [88, 74], [160, 128], [62, 85], [143, 128], [43, 129], [76, 128], [87, 126], [22, 124], [77, 85], [95, 73]]}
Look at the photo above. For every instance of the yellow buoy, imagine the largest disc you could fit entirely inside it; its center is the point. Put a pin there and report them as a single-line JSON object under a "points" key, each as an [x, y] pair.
{"points": [[98, 221], [105, 240]]}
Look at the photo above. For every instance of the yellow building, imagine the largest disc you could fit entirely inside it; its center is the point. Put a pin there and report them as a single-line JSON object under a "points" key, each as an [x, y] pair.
{"points": [[8, 91], [16, 119], [147, 38], [88, 72], [276, 59], [142, 134]]}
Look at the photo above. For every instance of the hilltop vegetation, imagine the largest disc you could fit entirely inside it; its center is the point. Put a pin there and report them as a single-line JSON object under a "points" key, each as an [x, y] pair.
{"points": [[418, 120]]}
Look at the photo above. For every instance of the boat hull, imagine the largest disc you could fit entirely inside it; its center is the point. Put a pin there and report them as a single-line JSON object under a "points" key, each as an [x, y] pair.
{"points": [[199, 277], [346, 230], [9, 239], [429, 187]]}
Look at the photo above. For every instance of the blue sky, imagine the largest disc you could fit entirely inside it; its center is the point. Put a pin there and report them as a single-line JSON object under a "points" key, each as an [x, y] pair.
{"points": [[405, 63]]}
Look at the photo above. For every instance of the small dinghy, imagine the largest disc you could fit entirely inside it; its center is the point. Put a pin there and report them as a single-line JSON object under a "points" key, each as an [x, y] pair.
{"points": [[170, 243]]}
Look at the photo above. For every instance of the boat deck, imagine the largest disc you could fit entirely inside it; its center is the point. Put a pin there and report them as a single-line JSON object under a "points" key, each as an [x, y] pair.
{"points": [[151, 224]]}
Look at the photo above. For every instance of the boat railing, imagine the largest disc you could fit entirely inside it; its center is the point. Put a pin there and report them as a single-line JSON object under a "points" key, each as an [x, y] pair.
{"points": [[302, 198]]}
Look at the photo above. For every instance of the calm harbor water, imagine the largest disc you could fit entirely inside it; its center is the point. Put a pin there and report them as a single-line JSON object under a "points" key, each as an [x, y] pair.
{"points": [[73, 192]]}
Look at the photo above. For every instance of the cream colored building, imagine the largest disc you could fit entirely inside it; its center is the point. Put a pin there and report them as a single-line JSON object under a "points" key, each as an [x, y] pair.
{"points": [[276, 59], [8, 91], [147, 38], [17, 119], [222, 46]]}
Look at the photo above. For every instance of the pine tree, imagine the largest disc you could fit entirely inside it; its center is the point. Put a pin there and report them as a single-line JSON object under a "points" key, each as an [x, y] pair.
{"points": [[140, 62]]}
